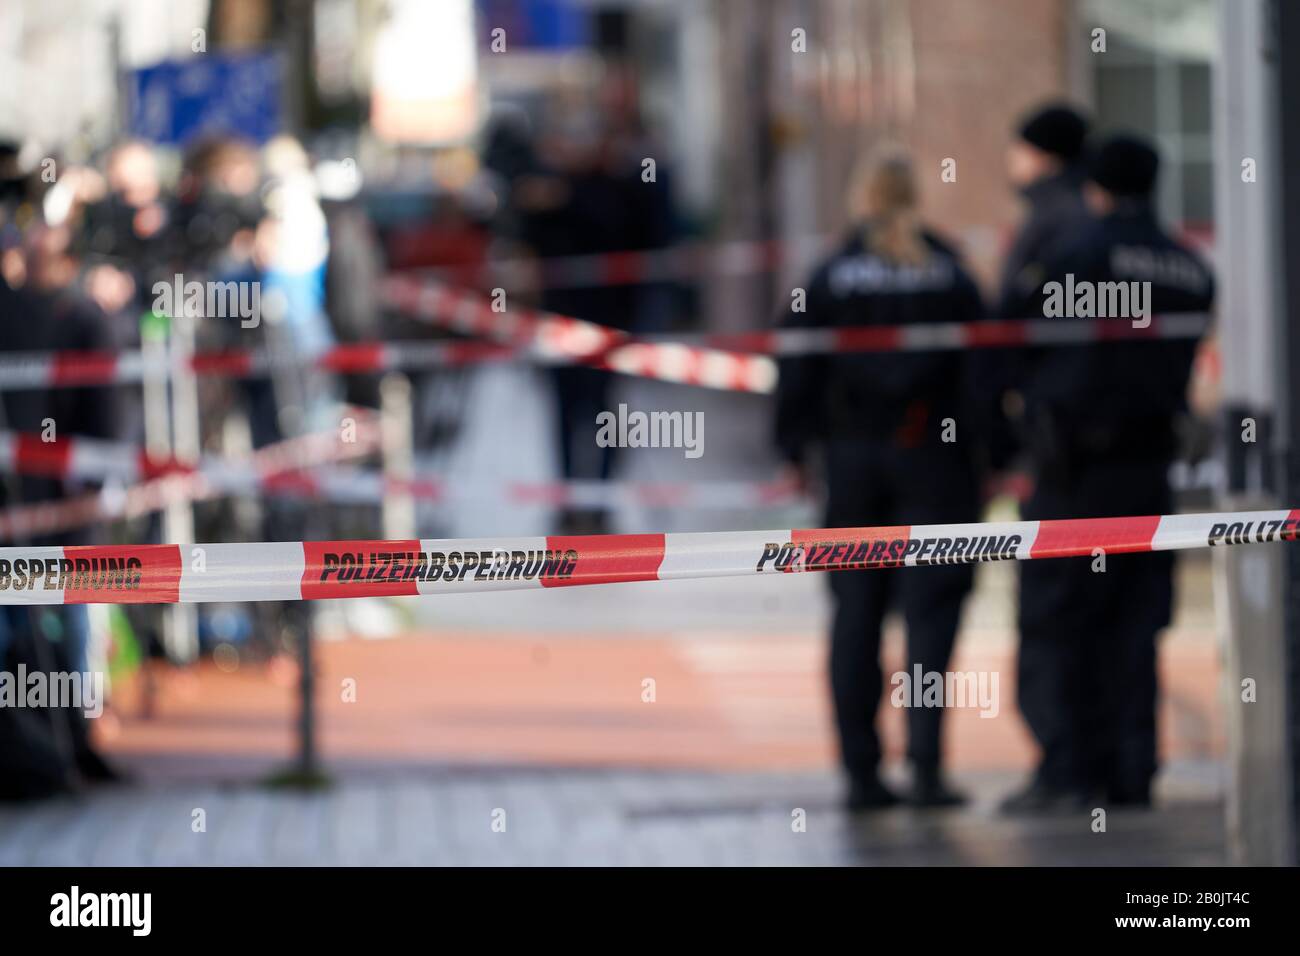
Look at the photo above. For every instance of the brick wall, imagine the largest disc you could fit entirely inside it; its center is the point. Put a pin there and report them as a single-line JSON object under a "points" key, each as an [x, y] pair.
{"points": [[979, 66]]}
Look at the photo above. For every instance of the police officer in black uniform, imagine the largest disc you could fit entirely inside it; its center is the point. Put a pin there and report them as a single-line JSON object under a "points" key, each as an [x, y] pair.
{"points": [[880, 420], [1045, 165], [1100, 427]]}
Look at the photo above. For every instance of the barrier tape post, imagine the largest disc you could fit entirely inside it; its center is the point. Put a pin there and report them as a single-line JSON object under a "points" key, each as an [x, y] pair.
{"points": [[397, 428], [310, 570], [181, 630], [158, 444]]}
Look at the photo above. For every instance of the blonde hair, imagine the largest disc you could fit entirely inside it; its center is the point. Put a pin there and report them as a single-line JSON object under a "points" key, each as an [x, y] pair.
{"points": [[884, 196]]}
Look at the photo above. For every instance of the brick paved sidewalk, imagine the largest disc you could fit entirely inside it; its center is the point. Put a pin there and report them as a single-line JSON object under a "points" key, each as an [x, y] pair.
{"points": [[574, 817]]}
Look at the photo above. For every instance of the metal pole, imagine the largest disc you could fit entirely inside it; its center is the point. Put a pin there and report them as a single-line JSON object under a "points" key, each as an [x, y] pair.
{"points": [[1286, 18], [294, 389], [1257, 611], [158, 443], [397, 443], [308, 764], [178, 519]]}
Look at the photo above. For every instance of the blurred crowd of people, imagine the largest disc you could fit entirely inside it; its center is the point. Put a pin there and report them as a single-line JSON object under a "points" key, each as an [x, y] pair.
{"points": [[96, 257], [86, 252]]}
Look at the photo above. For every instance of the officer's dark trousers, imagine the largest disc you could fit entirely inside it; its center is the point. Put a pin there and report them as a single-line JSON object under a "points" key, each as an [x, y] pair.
{"points": [[1087, 667], [873, 483], [582, 394]]}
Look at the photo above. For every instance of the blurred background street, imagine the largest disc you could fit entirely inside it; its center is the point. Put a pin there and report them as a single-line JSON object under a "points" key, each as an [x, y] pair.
{"points": [[252, 253]]}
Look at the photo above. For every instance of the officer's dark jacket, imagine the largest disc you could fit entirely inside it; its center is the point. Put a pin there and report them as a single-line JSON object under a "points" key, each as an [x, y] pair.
{"points": [[875, 395], [38, 323], [1056, 212], [1116, 399]]}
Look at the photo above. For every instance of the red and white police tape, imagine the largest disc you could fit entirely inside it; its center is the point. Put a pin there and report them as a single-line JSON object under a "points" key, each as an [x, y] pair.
{"points": [[559, 339], [290, 571], [73, 369], [165, 480], [92, 459], [471, 313], [95, 459], [740, 361], [359, 486]]}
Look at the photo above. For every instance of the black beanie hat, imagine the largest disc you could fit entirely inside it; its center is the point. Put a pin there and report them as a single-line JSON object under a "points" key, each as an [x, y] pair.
{"points": [[1125, 165], [1057, 129]]}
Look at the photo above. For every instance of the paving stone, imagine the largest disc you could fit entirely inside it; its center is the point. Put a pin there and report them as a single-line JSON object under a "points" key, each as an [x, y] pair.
{"points": [[241, 826], [583, 818], [65, 836], [175, 841]]}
